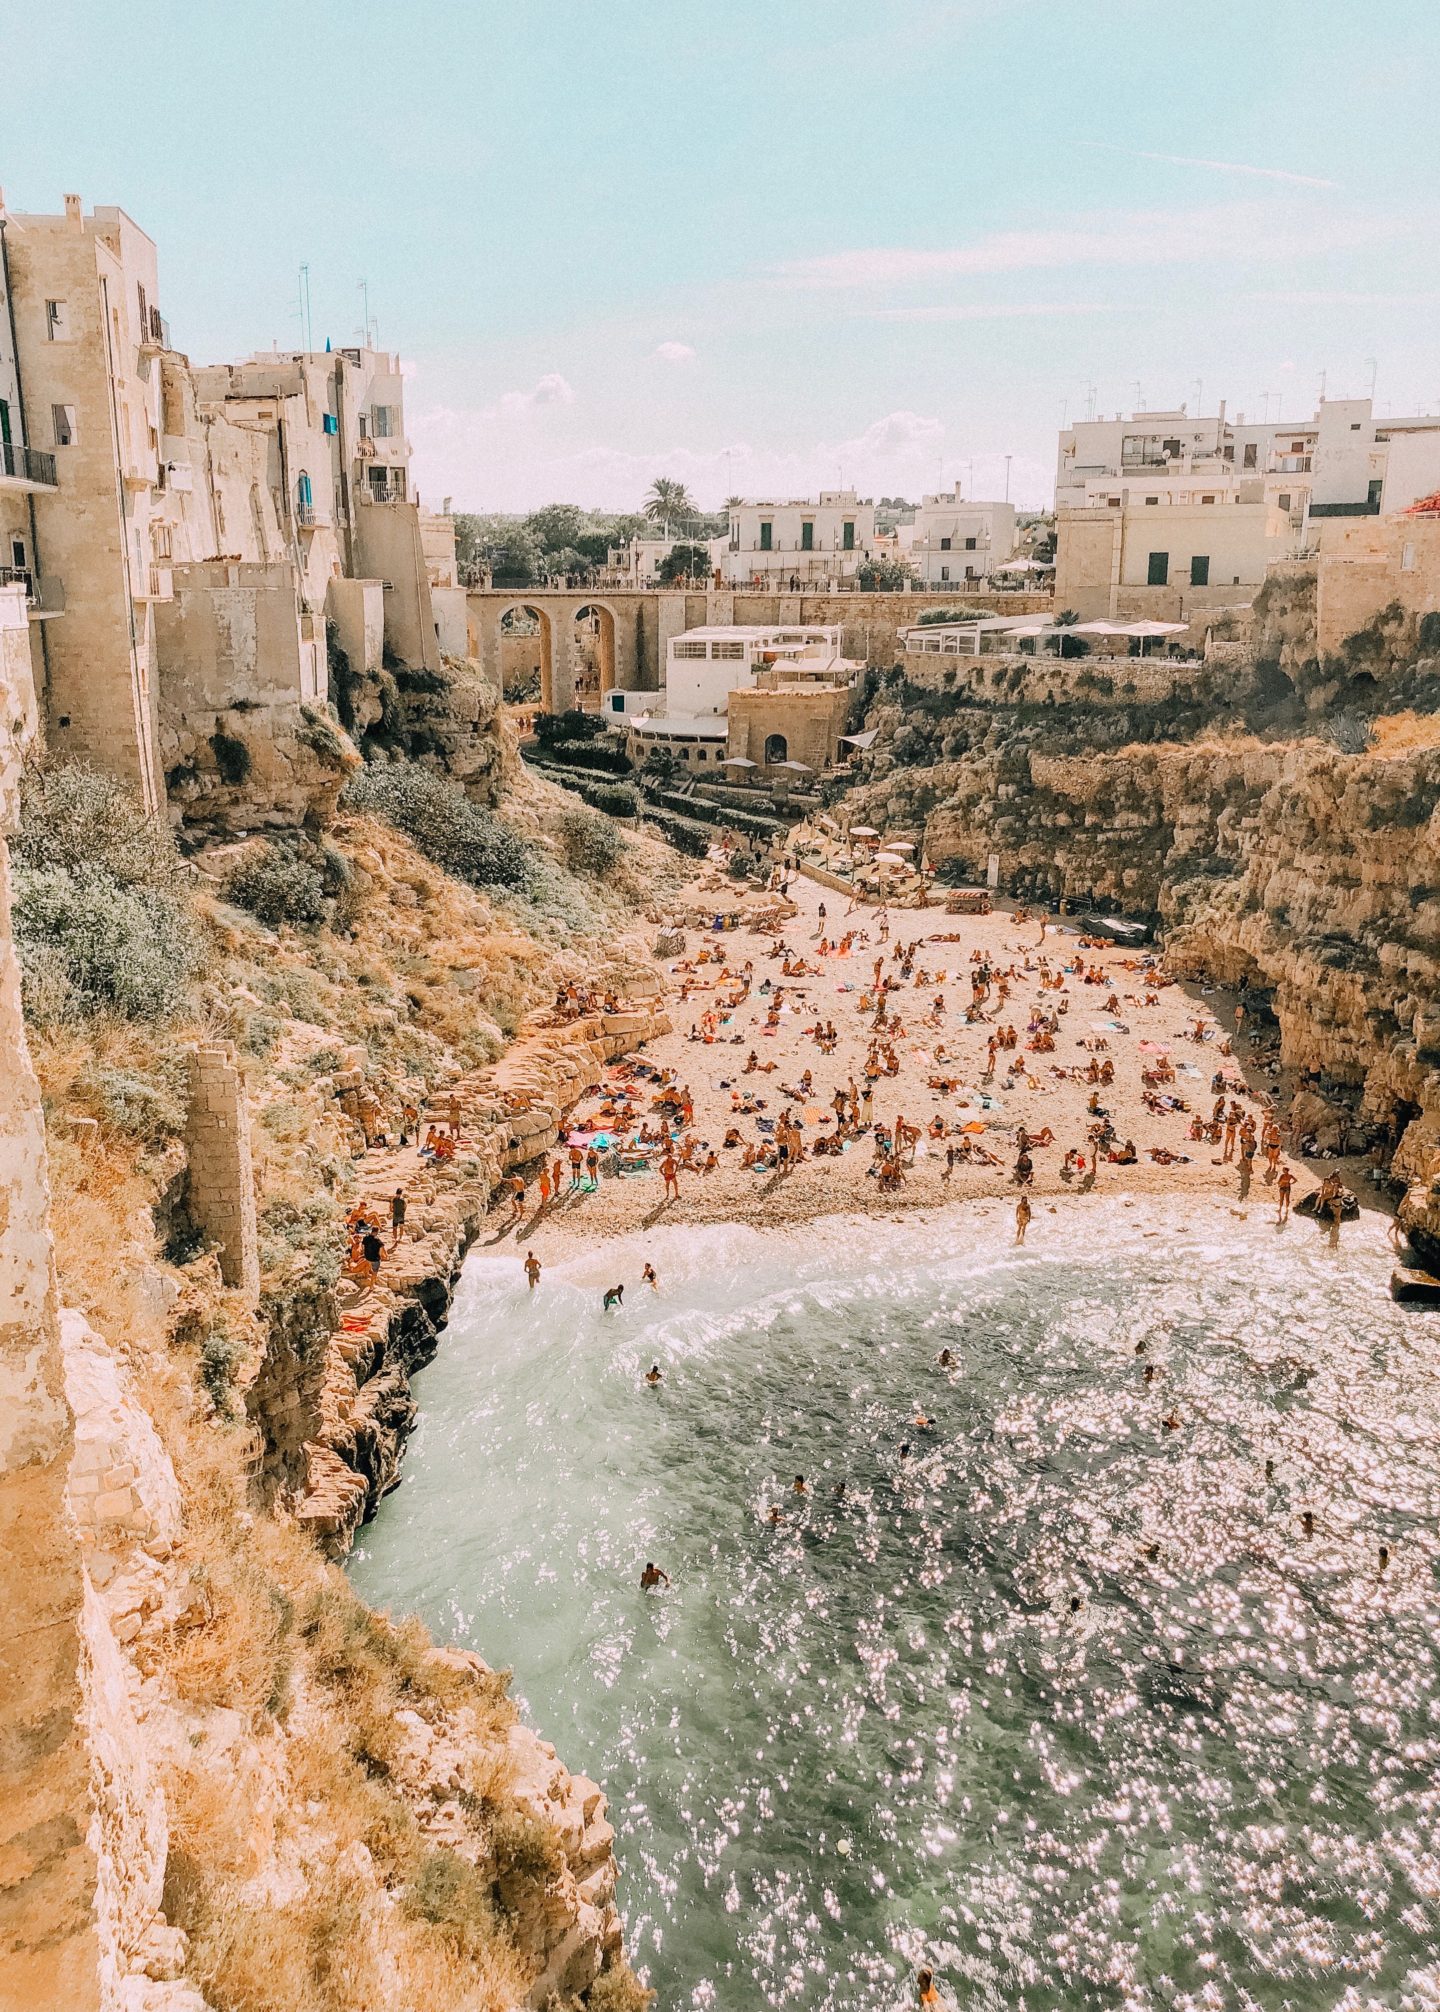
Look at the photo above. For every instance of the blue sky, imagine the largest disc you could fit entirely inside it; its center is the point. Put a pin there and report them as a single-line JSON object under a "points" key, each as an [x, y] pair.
{"points": [[765, 246]]}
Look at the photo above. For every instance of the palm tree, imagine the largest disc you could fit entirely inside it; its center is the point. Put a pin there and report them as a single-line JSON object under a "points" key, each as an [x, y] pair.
{"points": [[667, 500]]}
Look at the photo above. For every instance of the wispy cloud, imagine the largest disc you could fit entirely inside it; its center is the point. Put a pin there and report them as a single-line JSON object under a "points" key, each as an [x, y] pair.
{"points": [[551, 389], [993, 311], [674, 352], [1218, 167], [1220, 234]]}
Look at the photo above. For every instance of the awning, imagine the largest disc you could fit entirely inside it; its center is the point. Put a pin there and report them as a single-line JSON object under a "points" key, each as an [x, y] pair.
{"points": [[737, 761], [865, 740], [803, 767], [1025, 566]]}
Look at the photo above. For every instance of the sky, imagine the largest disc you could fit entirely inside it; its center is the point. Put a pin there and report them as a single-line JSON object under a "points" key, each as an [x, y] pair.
{"points": [[767, 246]]}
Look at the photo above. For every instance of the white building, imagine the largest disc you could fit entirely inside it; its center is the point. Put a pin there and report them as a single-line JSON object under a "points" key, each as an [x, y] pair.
{"points": [[771, 543], [703, 667], [954, 541]]}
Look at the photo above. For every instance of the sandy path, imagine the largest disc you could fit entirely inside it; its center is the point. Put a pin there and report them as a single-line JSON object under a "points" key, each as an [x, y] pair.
{"points": [[828, 1185]]}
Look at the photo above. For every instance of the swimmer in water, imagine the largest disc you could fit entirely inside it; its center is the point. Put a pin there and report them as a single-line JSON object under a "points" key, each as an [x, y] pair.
{"points": [[1384, 1557], [798, 1487], [1307, 1522], [946, 1358], [905, 1450], [647, 1277], [614, 1297], [532, 1269], [653, 1375], [652, 1576], [773, 1513], [839, 1491], [922, 1423], [926, 1994]]}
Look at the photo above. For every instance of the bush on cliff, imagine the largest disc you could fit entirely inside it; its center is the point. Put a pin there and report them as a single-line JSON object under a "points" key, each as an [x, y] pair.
{"points": [[277, 885], [590, 842], [437, 817], [100, 918]]}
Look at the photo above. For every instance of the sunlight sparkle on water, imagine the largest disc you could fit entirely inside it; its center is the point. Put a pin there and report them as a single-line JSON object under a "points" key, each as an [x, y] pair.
{"points": [[1062, 1702]]}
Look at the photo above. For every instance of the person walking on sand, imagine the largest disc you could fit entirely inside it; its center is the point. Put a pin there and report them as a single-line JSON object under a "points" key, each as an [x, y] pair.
{"points": [[397, 1217], [532, 1269], [1023, 1213], [652, 1577]]}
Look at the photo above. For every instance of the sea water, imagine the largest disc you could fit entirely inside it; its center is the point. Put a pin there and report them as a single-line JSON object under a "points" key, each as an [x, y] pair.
{"points": [[1063, 1701]]}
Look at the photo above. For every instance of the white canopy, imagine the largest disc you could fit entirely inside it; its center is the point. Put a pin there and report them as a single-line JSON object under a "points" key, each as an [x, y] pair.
{"points": [[803, 766], [863, 831], [1151, 628], [1025, 566], [896, 845], [737, 761], [864, 740]]}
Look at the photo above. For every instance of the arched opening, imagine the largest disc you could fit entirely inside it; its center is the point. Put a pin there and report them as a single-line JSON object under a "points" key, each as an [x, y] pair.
{"points": [[592, 655], [777, 748], [527, 668]]}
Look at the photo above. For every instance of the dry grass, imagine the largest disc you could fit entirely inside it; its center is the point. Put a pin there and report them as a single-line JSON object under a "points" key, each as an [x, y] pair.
{"points": [[387, 1922], [1404, 734]]}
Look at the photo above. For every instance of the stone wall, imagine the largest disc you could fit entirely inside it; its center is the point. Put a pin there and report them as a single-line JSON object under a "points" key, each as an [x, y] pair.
{"points": [[1006, 678]]}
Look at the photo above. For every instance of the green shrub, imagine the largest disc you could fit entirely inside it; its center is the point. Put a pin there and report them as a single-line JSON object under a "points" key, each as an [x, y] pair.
{"points": [[232, 757], [590, 754], [590, 842], [524, 1847], [571, 725], [74, 818], [90, 943], [454, 1896], [140, 1106], [440, 820], [220, 1355], [277, 885]]}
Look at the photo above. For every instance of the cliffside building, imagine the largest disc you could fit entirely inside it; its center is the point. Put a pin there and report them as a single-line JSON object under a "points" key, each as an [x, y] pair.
{"points": [[1166, 516], [767, 697], [182, 533]]}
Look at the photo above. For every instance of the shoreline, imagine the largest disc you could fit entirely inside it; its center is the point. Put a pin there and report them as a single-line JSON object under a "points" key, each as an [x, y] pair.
{"points": [[1043, 1096]]}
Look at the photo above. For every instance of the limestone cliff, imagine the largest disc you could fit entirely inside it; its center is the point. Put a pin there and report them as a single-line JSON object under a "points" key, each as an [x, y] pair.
{"points": [[1287, 844], [229, 1785]]}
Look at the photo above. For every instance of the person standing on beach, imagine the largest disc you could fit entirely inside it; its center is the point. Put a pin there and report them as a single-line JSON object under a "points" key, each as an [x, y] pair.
{"points": [[1023, 1213], [532, 1269], [517, 1198], [397, 1217], [670, 1174], [454, 1116], [1287, 1182]]}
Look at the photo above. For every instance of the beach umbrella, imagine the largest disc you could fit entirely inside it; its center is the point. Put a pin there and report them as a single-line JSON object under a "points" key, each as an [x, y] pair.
{"points": [[863, 831], [801, 767], [898, 845]]}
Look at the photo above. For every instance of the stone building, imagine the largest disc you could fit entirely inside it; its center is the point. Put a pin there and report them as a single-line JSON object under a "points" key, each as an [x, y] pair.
{"points": [[183, 534], [773, 542]]}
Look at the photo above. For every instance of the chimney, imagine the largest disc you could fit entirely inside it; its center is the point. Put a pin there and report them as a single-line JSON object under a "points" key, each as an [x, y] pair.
{"points": [[74, 210], [1222, 412]]}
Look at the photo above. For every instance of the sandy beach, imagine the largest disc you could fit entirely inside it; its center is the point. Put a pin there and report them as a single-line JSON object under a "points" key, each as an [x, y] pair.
{"points": [[1153, 1022]]}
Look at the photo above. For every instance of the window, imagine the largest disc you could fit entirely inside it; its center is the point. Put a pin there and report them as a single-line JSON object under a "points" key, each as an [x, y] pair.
{"points": [[1170, 448], [57, 321], [1372, 495], [62, 419], [848, 537], [1252, 449], [1200, 570], [767, 535], [971, 544], [944, 572], [1284, 501], [807, 536], [701, 755], [144, 310], [1354, 425], [1158, 572], [944, 544], [688, 650], [4, 422], [1207, 499], [1112, 502], [380, 422], [330, 423], [729, 652], [1152, 502], [777, 748]]}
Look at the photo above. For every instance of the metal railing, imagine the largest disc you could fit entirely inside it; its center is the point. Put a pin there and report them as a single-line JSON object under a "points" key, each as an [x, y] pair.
{"points": [[27, 464]]}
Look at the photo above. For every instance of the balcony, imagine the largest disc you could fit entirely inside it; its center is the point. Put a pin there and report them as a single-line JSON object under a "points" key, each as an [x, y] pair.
{"points": [[155, 336], [157, 583], [25, 467], [310, 517], [42, 597]]}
